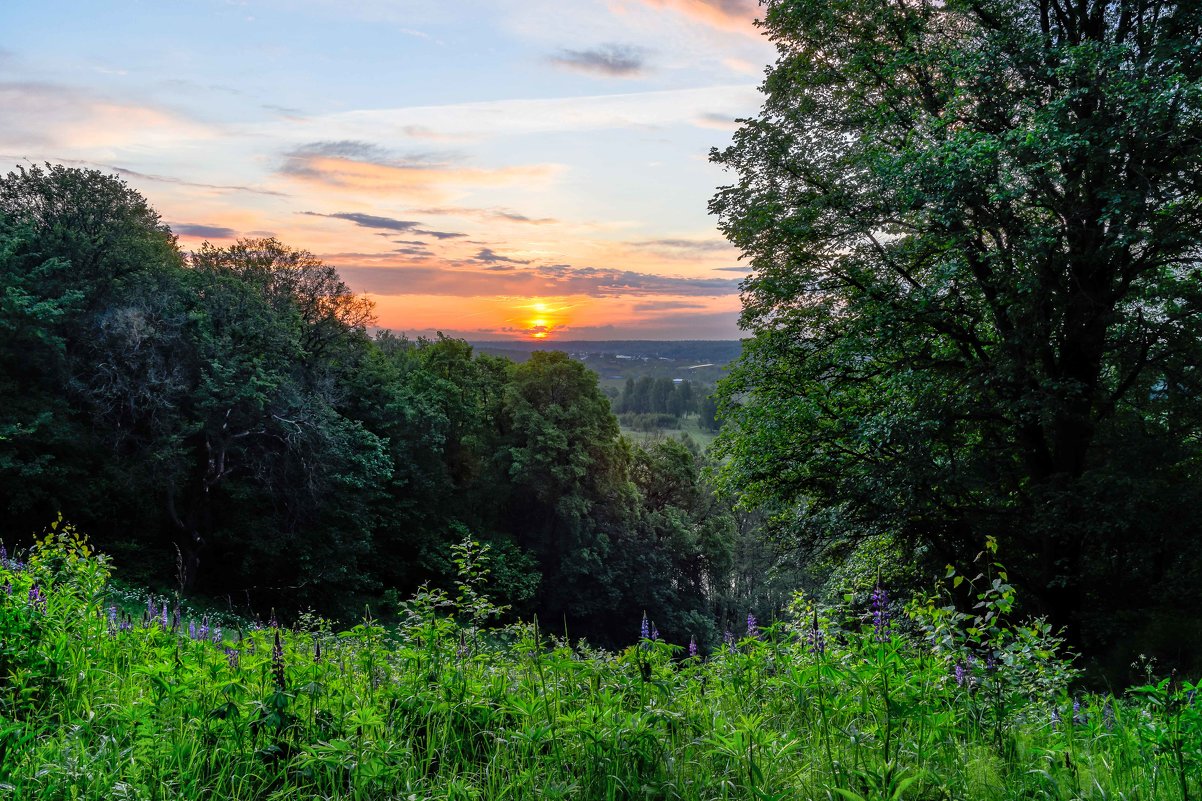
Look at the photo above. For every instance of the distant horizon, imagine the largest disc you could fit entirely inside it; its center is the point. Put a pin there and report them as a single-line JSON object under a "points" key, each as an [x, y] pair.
{"points": [[525, 171]]}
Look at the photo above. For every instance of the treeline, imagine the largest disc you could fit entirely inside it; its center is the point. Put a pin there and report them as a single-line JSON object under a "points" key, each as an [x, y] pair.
{"points": [[659, 402], [224, 418]]}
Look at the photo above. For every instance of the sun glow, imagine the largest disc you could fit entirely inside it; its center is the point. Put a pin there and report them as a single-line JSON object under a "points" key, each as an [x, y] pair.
{"points": [[544, 319]]}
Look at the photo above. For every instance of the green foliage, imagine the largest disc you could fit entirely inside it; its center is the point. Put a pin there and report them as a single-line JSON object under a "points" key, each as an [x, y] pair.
{"points": [[443, 707], [974, 234]]}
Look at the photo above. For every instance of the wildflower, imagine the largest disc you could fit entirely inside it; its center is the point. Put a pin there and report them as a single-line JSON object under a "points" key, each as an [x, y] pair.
{"points": [[692, 646], [191, 629], [961, 674], [36, 598], [112, 619], [753, 628], [729, 639], [816, 637], [163, 618], [203, 632], [8, 588], [1079, 717], [217, 634], [881, 624], [654, 632], [3, 555], [231, 657], [277, 662], [645, 630], [1055, 718], [990, 662]]}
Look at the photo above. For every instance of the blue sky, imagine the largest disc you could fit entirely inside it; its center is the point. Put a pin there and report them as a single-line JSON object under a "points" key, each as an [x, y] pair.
{"points": [[488, 169]]}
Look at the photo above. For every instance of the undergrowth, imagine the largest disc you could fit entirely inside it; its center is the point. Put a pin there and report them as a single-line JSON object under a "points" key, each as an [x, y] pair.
{"points": [[921, 703]]}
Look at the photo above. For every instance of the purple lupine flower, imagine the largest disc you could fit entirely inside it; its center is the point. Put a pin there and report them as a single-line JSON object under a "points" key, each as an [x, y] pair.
{"points": [[692, 646], [654, 632], [645, 629], [753, 627], [816, 637], [163, 618], [961, 674], [112, 619], [990, 662], [3, 555], [231, 658], [8, 588], [881, 624], [152, 611], [203, 632], [127, 624], [1055, 717], [277, 662], [217, 634], [192, 629], [1079, 717], [36, 598], [729, 639]]}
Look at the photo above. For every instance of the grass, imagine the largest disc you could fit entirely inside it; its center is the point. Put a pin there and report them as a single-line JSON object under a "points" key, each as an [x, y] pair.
{"points": [[688, 425], [932, 704]]}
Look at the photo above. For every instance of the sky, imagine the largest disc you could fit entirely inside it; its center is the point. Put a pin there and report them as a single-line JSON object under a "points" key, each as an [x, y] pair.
{"points": [[491, 169]]}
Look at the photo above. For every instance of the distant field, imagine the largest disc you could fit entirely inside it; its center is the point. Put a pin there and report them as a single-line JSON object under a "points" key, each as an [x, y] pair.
{"points": [[688, 426]]}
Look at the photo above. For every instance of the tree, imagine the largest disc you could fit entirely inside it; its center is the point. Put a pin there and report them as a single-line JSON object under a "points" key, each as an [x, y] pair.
{"points": [[975, 228]]}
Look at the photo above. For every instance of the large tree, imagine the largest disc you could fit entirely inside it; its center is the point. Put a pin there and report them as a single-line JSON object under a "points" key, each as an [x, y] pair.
{"points": [[974, 229]]}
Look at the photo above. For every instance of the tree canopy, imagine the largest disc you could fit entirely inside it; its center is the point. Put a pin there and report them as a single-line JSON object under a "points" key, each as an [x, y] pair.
{"points": [[974, 228]]}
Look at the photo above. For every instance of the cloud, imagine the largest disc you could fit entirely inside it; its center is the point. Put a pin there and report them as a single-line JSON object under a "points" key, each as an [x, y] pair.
{"points": [[610, 60], [386, 224], [201, 231], [684, 247], [488, 256], [487, 214], [363, 168], [438, 234], [735, 269], [666, 305], [721, 122], [733, 15], [368, 220], [45, 115], [543, 280]]}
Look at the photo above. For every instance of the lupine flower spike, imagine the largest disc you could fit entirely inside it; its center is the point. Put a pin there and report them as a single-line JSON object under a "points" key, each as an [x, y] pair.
{"points": [[654, 632], [645, 630], [277, 662], [753, 626], [817, 638], [692, 646]]}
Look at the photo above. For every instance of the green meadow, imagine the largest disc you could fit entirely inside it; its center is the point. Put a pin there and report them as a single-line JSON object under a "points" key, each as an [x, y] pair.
{"points": [[107, 695]]}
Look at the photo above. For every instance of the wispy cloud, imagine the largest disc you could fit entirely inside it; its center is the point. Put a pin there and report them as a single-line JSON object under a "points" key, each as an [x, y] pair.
{"points": [[734, 15], [368, 220], [385, 224], [721, 122], [544, 280], [610, 60], [202, 231], [363, 168], [684, 247], [503, 215], [489, 256]]}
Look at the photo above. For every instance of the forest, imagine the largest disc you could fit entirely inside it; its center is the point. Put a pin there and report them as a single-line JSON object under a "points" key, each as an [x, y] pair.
{"points": [[221, 422]]}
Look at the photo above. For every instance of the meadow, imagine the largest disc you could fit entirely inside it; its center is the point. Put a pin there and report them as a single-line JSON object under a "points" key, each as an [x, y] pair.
{"points": [[107, 695]]}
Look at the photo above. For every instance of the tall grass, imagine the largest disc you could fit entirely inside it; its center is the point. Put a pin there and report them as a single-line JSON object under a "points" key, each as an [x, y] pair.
{"points": [[930, 704]]}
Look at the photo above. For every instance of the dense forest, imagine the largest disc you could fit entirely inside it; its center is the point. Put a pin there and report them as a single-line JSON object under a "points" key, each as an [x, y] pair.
{"points": [[222, 422]]}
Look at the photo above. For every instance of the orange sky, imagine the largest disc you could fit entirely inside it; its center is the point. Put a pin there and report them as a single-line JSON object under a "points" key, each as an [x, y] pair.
{"points": [[489, 169]]}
